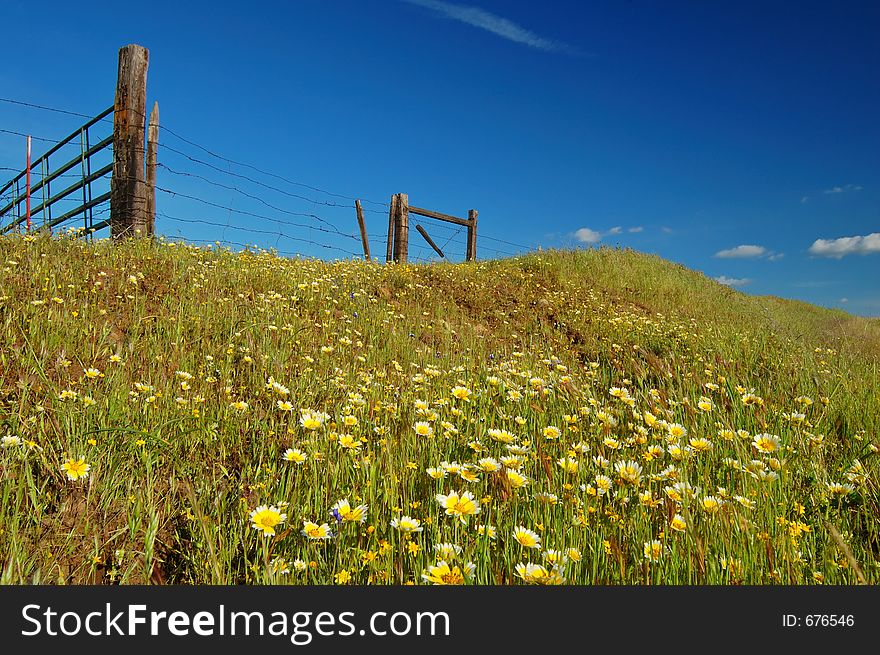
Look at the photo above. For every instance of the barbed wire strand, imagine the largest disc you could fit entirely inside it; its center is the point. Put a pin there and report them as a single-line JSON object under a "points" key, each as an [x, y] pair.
{"points": [[165, 128], [244, 212], [257, 198], [252, 180]]}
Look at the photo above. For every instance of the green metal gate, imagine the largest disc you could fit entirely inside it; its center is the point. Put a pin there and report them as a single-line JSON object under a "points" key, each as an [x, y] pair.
{"points": [[14, 214]]}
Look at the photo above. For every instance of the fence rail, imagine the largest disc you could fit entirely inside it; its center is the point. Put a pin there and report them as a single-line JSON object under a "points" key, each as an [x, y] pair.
{"points": [[48, 175]]}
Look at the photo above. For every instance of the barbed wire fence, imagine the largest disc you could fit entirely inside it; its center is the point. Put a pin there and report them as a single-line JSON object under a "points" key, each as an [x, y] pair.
{"points": [[206, 197]]}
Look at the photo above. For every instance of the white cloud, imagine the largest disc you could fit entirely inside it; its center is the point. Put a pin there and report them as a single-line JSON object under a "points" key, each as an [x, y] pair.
{"points": [[586, 235], [635, 230], [837, 248], [493, 23], [805, 200], [742, 252], [733, 281], [750, 252], [844, 189], [843, 301], [666, 230]]}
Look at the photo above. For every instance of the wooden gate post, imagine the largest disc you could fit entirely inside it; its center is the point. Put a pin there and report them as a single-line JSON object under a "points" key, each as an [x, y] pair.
{"points": [[127, 187], [392, 223], [152, 147], [472, 236], [401, 230]]}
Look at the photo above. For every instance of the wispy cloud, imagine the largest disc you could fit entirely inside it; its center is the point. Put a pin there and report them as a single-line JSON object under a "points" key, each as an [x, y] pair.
{"points": [[837, 248], [733, 281], [635, 230], [493, 23], [846, 188]]}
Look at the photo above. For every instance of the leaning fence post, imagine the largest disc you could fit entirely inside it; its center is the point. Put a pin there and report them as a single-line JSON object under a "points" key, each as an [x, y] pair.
{"points": [[363, 226], [152, 147], [401, 230], [127, 187], [430, 241], [472, 236]]}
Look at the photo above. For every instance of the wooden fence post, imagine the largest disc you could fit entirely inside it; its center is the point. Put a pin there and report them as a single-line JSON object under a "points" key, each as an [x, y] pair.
{"points": [[152, 147], [127, 187], [401, 230], [392, 223], [363, 226], [472, 236]]}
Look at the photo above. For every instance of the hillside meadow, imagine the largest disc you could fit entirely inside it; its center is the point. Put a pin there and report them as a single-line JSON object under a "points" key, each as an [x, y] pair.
{"points": [[181, 415]]}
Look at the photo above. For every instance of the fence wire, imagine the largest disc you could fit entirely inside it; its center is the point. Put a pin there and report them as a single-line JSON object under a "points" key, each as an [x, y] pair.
{"points": [[193, 177]]}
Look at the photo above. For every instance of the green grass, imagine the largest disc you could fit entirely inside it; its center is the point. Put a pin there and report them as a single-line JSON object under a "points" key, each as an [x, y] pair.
{"points": [[540, 340]]}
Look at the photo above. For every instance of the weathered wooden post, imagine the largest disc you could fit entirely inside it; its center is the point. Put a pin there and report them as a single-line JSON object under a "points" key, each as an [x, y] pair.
{"points": [[401, 230], [392, 223], [127, 187], [472, 236], [152, 147], [363, 226]]}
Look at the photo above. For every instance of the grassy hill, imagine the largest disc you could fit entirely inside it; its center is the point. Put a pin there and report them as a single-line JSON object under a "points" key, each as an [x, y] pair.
{"points": [[181, 415]]}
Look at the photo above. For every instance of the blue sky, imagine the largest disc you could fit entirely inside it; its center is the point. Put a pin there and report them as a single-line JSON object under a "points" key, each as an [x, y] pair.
{"points": [[739, 139]]}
